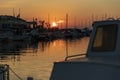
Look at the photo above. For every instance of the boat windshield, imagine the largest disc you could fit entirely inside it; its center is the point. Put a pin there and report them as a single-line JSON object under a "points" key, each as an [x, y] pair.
{"points": [[105, 38]]}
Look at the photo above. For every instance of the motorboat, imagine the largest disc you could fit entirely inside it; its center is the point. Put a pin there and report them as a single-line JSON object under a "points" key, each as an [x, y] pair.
{"points": [[100, 62]]}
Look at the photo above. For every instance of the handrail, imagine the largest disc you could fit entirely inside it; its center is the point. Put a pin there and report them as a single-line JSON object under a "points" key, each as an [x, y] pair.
{"points": [[74, 56]]}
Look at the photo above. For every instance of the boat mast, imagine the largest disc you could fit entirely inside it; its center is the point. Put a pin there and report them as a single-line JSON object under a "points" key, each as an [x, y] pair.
{"points": [[66, 32], [48, 18], [67, 21], [19, 13], [18, 16], [13, 13], [75, 22]]}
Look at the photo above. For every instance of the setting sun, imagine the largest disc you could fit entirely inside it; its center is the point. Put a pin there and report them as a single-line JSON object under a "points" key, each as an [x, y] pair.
{"points": [[54, 24]]}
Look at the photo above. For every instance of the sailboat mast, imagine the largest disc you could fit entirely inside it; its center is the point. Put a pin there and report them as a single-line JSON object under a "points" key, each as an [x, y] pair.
{"points": [[13, 13], [75, 22], [19, 12], [67, 21]]}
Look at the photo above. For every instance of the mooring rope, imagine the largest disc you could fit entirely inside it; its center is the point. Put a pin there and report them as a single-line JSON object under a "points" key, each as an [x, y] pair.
{"points": [[15, 74]]}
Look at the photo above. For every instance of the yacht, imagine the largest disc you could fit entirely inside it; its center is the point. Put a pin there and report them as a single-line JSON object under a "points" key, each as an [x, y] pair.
{"points": [[100, 62]]}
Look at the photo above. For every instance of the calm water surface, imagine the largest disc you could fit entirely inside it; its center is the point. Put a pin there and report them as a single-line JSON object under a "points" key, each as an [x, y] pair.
{"points": [[36, 59]]}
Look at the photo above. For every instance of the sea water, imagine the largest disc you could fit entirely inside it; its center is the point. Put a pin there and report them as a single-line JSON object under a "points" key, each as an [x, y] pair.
{"points": [[36, 59]]}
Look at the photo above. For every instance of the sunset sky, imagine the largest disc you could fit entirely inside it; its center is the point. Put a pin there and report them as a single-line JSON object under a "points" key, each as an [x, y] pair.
{"points": [[57, 9]]}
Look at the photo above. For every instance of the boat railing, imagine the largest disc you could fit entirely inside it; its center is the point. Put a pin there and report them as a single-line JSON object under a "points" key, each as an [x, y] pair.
{"points": [[73, 56]]}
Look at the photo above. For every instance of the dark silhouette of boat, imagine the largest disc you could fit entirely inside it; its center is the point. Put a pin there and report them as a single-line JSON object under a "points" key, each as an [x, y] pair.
{"points": [[102, 60]]}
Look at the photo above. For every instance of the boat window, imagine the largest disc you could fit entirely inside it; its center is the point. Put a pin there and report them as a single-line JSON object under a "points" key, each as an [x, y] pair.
{"points": [[105, 38]]}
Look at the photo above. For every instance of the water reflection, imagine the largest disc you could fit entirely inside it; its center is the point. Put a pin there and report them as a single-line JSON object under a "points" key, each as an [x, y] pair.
{"points": [[13, 50], [36, 58]]}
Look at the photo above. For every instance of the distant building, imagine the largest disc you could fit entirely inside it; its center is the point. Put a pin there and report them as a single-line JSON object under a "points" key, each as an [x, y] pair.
{"points": [[13, 22]]}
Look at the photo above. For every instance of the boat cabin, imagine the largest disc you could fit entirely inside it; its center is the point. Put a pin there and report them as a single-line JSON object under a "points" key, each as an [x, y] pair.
{"points": [[105, 39], [102, 60]]}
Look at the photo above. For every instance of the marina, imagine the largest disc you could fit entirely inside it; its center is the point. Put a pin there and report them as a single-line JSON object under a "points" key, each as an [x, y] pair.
{"points": [[17, 29], [23, 45], [59, 40], [27, 40]]}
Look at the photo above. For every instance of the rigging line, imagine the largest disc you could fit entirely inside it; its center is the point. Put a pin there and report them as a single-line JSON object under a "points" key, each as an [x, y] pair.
{"points": [[15, 74]]}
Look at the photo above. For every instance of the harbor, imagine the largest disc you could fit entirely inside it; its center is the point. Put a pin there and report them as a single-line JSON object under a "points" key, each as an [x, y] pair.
{"points": [[59, 39], [17, 29], [28, 39], [67, 63]]}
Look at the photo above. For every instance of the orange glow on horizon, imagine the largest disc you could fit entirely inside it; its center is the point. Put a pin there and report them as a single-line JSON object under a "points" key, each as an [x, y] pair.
{"points": [[85, 11], [60, 21]]}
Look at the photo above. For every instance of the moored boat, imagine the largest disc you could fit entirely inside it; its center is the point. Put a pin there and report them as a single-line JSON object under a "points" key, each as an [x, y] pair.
{"points": [[102, 60]]}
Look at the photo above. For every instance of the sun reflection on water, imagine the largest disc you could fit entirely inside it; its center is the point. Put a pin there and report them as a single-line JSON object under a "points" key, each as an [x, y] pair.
{"points": [[36, 59]]}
